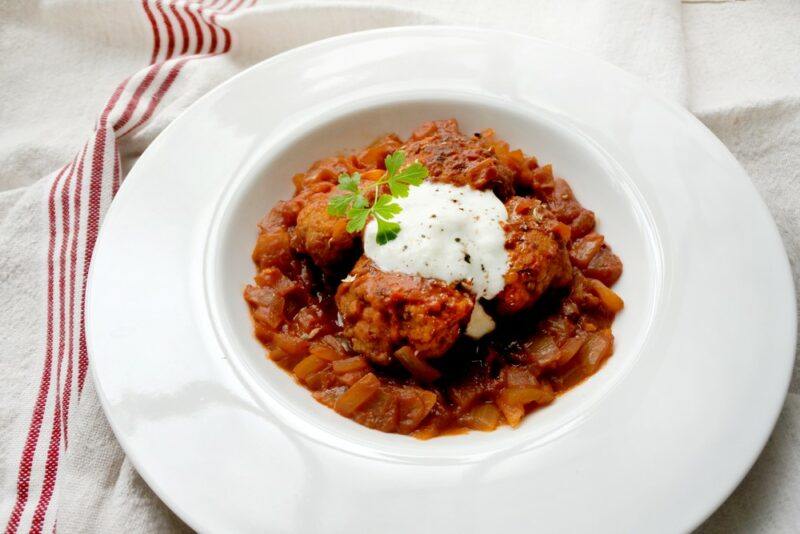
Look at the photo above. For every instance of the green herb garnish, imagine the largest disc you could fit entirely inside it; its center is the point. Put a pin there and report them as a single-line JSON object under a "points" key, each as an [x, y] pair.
{"points": [[355, 206]]}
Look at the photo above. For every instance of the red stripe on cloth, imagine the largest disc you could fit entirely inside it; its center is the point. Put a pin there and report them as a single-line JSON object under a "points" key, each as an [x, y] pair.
{"points": [[212, 28], [113, 101], [236, 6], [67, 230], [169, 80], [115, 181], [67, 396], [53, 452], [137, 95], [156, 35], [149, 76], [98, 175], [228, 40], [92, 226], [73, 259], [29, 449], [168, 26], [50, 473], [225, 33], [184, 28], [198, 31], [158, 95]]}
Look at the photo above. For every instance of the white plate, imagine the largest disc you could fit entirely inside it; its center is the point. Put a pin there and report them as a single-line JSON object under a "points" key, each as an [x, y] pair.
{"points": [[653, 442]]}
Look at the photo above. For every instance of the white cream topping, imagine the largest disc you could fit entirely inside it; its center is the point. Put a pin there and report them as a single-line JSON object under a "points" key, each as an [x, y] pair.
{"points": [[450, 233]]}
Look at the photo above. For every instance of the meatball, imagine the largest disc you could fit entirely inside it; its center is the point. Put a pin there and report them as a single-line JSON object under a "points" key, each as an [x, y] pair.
{"points": [[323, 236], [453, 158], [385, 311], [537, 254]]}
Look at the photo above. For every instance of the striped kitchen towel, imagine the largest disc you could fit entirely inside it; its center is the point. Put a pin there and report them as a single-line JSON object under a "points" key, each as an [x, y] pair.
{"points": [[74, 200]]}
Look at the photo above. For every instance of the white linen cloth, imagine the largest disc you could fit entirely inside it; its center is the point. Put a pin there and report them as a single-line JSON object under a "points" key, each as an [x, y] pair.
{"points": [[736, 64]]}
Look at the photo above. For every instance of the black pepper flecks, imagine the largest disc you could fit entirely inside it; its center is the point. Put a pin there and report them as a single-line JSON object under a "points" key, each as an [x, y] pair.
{"points": [[467, 258]]}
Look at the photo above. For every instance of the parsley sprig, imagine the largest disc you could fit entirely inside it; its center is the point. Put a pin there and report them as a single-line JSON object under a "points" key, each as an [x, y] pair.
{"points": [[355, 206]]}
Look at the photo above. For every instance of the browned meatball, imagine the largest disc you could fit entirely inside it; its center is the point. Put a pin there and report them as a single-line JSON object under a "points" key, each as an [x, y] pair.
{"points": [[453, 158], [537, 254], [322, 236], [384, 311]]}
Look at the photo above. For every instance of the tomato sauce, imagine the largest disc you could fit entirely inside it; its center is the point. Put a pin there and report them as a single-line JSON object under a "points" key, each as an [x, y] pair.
{"points": [[548, 337]]}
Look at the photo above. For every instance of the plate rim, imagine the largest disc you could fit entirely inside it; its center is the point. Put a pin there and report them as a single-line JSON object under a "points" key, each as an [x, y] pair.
{"points": [[186, 515], [249, 377]]}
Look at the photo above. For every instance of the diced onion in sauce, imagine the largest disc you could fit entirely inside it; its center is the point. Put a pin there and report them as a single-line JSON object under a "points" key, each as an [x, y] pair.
{"points": [[380, 412], [319, 380], [593, 352], [329, 397], [570, 348], [414, 405], [596, 349], [512, 412], [521, 396], [483, 417], [463, 395], [349, 365], [418, 367], [308, 365], [611, 301], [325, 352], [584, 249], [542, 350], [352, 377], [290, 344], [357, 394], [277, 354], [372, 175], [519, 377]]}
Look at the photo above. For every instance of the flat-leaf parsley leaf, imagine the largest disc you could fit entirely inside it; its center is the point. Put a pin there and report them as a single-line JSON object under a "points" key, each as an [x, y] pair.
{"points": [[355, 206]]}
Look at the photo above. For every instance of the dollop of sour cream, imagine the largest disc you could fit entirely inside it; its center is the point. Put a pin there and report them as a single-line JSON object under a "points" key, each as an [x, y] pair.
{"points": [[450, 233]]}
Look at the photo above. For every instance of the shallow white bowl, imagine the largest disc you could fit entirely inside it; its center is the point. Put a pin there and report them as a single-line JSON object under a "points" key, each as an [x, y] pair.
{"points": [[654, 441], [598, 180]]}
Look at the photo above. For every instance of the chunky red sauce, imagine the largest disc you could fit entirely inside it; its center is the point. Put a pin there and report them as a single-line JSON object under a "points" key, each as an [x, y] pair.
{"points": [[387, 349]]}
